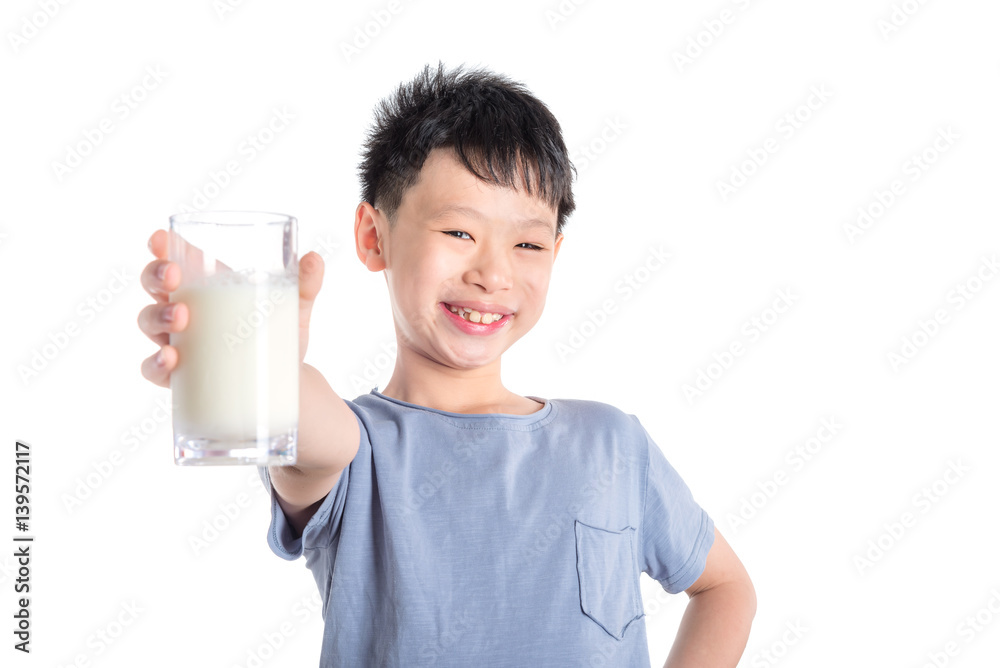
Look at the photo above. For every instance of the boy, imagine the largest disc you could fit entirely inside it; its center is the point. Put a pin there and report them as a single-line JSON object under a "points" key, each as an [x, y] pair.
{"points": [[447, 520]]}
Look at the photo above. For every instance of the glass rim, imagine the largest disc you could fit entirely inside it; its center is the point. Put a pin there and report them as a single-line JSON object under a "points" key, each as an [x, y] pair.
{"points": [[231, 218]]}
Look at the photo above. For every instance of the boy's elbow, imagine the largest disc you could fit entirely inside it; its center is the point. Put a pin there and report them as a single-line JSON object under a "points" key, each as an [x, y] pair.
{"points": [[744, 591], [741, 597]]}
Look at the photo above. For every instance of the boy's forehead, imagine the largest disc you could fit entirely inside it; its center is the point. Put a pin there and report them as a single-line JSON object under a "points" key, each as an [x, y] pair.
{"points": [[526, 223], [445, 187]]}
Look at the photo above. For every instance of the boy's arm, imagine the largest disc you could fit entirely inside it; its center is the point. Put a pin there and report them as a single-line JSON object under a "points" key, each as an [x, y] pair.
{"points": [[716, 623], [328, 431], [328, 441]]}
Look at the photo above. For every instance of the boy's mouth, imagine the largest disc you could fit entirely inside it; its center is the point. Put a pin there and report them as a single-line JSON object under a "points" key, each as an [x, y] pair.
{"points": [[474, 316]]}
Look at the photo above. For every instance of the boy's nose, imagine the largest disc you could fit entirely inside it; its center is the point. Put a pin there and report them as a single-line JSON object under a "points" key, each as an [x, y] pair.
{"points": [[491, 270]]}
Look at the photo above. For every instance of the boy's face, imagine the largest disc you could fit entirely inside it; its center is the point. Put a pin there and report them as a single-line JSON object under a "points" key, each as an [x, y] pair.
{"points": [[460, 242]]}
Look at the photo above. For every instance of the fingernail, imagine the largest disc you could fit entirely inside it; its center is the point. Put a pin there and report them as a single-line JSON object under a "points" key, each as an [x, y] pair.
{"points": [[161, 271], [159, 358], [168, 313], [149, 244]]}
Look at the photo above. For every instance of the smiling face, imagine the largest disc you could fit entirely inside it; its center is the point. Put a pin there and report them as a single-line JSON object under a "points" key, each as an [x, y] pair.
{"points": [[459, 243]]}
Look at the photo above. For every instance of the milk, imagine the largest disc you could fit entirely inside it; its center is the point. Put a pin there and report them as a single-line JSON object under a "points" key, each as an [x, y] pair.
{"points": [[237, 374]]}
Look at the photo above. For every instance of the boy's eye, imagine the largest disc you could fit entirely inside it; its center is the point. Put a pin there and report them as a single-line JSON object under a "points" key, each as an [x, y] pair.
{"points": [[460, 232]]}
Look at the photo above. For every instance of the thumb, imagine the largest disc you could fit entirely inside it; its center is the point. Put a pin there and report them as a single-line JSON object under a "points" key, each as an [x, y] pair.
{"points": [[311, 268]]}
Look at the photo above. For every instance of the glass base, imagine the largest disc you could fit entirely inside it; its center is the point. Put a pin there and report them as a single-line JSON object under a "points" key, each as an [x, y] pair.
{"points": [[277, 450]]}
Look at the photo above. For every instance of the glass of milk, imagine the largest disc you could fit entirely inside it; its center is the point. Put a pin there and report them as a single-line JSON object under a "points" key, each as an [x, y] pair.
{"points": [[236, 385]]}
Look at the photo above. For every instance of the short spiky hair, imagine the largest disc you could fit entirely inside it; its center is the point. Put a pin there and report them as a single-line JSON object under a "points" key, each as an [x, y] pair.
{"points": [[497, 128]]}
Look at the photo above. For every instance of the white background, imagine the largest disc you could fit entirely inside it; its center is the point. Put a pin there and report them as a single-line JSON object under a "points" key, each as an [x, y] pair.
{"points": [[672, 132]]}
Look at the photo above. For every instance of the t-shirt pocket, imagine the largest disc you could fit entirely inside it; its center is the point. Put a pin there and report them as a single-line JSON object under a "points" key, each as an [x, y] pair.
{"points": [[609, 581]]}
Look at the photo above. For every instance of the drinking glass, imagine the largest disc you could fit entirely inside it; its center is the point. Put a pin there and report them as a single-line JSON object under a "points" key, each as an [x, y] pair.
{"points": [[236, 385]]}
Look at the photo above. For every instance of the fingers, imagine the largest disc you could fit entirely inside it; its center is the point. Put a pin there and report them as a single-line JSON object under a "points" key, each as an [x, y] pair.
{"points": [[158, 244], [159, 278], [156, 368], [157, 321]]}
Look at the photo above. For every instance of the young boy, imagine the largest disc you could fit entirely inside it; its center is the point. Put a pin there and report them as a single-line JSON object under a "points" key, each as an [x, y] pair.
{"points": [[447, 520]]}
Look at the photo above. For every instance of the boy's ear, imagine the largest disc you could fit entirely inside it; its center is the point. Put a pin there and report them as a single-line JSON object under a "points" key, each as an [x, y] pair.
{"points": [[368, 226], [555, 249]]}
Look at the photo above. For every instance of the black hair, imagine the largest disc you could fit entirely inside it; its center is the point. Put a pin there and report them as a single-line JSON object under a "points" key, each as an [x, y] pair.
{"points": [[497, 128]]}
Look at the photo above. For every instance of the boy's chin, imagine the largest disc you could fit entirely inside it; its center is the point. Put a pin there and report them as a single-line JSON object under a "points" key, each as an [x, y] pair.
{"points": [[470, 358]]}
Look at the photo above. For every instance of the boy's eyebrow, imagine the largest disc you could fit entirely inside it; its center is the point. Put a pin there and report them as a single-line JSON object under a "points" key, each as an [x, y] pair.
{"points": [[524, 224]]}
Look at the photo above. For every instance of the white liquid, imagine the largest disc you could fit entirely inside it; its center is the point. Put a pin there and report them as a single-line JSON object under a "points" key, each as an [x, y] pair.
{"points": [[237, 374]]}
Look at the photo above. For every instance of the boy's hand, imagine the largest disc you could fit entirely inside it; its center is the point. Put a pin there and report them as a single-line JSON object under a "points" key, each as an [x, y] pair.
{"points": [[160, 278], [157, 321]]}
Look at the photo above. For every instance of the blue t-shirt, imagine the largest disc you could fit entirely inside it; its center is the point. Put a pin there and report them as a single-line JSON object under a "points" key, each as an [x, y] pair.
{"points": [[496, 539]]}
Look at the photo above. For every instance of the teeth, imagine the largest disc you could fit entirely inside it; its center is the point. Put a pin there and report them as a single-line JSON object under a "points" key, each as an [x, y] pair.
{"points": [[475, 316]]}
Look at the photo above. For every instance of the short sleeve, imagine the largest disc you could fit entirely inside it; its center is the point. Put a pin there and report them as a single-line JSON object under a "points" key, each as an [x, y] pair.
{"points": [[676, 533], [322, 527]]}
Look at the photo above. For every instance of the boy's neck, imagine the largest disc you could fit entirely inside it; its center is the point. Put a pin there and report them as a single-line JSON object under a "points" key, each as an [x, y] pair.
{"points": [[426, 383]]}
